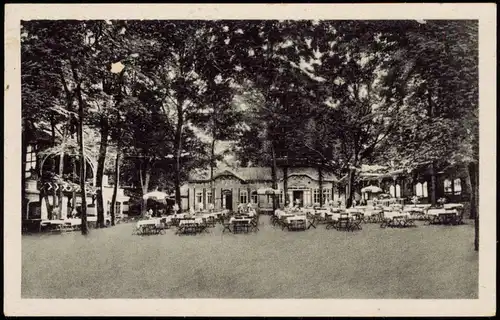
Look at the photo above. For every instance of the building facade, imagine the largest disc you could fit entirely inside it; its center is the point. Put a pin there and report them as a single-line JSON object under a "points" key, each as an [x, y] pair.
{"points": [[230, 187], [450, 183]]}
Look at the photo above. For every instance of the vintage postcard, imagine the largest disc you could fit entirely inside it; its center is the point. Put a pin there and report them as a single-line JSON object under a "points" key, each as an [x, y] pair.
{"points": [[250, 159]]}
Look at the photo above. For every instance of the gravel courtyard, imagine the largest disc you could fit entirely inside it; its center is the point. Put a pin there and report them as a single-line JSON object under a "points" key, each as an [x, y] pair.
{"points": [[427, 262]]}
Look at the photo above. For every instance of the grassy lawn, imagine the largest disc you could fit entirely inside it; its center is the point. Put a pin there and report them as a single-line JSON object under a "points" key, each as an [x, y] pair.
{"points": [[427, 262]]}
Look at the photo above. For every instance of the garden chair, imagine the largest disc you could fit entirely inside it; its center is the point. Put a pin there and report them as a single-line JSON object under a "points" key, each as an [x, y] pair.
{"points": [[355, 222], [137, 230], [312, 220], [331, 223], [227, 225], [254, 224], [295, 225], [241, 226], [409, 222], [203, 226], [343, 222]]}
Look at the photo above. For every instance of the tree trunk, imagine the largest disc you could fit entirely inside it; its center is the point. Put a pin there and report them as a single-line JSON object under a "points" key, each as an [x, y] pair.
{"points": [[104, 128], [61, 171], [83, 172], [286, 200], [178, 153], [24, 144], [433, 184], [212, 165], [53, 130], [54, 192], [474, 212], [73, 196], [320, 185], [48, 206], [144, 185], [115, 187], [350, 188], [274, 170]]}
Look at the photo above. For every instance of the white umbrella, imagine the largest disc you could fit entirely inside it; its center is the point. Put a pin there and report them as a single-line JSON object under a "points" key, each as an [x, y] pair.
{"points": [[264, 191], [371, 189], [158, 195]]}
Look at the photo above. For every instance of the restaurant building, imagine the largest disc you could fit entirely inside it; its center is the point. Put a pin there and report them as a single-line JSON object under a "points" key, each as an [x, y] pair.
{"points": [[231, 187]]}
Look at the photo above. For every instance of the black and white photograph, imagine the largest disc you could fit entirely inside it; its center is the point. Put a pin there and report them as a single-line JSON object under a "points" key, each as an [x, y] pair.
{"points": [[263, 159]]}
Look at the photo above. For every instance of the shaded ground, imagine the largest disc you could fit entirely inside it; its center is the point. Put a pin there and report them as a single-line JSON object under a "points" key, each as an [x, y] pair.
{"points": [[425, 262]]}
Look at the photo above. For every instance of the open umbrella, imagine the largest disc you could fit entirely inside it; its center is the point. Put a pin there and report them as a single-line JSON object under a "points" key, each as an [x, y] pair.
{"points": [[264, 191], [371, 189], [155, 195]]}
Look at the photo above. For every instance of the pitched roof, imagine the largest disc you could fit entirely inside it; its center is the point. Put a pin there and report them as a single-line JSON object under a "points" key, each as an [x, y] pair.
{"points": [[259, 174]]}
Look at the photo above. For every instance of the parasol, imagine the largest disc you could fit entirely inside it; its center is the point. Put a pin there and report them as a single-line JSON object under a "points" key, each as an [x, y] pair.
{"points": [[156, 195], [371, 189], [264, 191]]}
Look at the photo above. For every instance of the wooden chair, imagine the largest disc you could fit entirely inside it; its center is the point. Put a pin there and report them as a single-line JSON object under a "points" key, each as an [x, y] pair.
{"points": [[343, 222], [331, 223], [227, 225], [355, 222], [241, 226]]}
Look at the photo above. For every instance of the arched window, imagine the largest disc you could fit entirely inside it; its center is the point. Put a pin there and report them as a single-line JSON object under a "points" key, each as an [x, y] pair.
{"points": [[30, 161], [392, 191], [424, 190], [398, 191], [255, 197], [243, 196], [457, 186], [418, 190], [316, 196], [209, 197], [447, 186], [327, 195]]}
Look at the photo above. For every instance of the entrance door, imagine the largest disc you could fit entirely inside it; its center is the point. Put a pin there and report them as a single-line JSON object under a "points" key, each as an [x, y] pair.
{"points": [[298, 195], [227, 199]]}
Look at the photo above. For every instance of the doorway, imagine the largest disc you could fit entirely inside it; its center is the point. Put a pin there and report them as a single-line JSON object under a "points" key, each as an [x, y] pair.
{"points": [[227, 199], [298, 195]]}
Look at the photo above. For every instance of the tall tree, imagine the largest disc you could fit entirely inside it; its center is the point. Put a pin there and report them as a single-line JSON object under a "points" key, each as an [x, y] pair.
{"points": [[434, 71]]}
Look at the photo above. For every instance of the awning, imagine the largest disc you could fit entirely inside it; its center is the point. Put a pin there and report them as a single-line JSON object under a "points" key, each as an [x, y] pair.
{"points": [[66, 186]]}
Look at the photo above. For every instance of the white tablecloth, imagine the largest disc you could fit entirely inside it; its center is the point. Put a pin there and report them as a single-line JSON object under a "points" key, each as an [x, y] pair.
{"points": [[372, 212], [208, 215], [453, 206], [281, 213], [149, 222], [54, 222], [355, 210], [413, 209], [296, 218], [336, 216], [232, 220], [393, 214], [187, 221], [73, 221], [307, 210], [437, 212]]}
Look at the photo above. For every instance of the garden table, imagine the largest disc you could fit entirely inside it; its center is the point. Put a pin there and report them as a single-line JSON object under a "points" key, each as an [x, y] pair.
{"points": [[308, 210], [190, 225], [240, 224], [443, 216], [297, 222], [396, 219], [53, 225]]}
